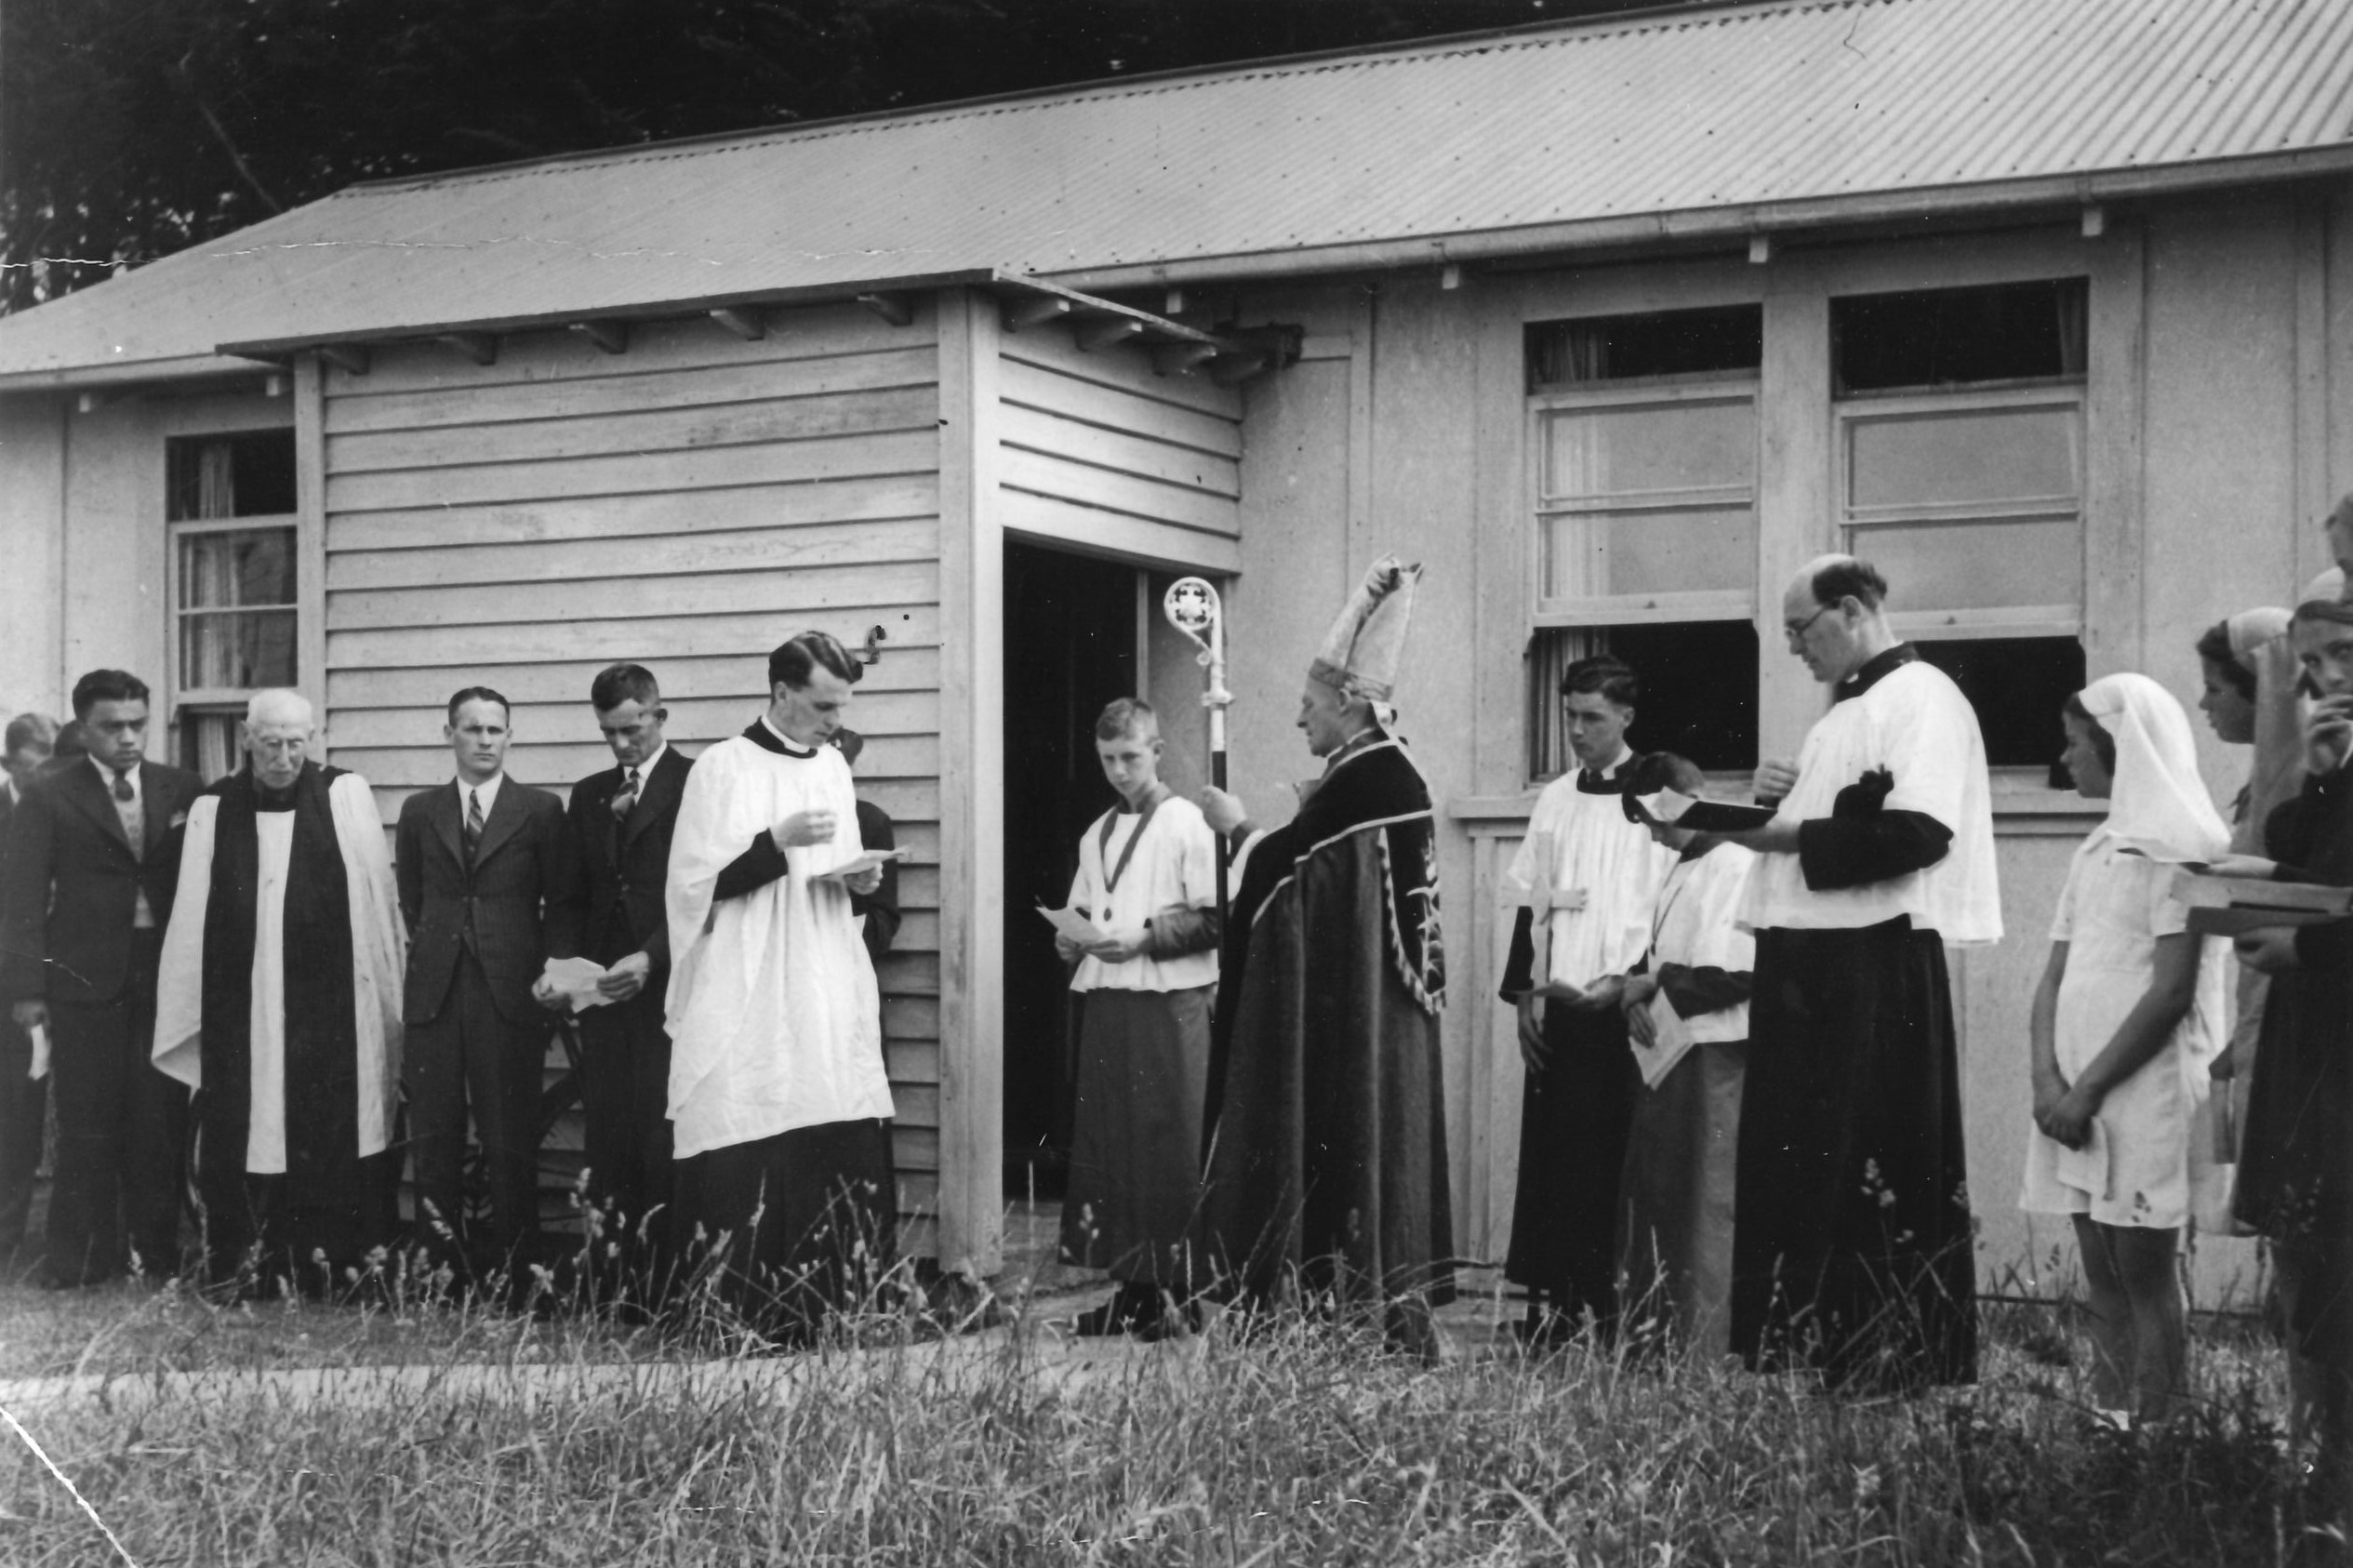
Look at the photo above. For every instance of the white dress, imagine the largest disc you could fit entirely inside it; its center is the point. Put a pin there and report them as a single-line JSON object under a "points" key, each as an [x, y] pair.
{"points": [[2115, 907]]}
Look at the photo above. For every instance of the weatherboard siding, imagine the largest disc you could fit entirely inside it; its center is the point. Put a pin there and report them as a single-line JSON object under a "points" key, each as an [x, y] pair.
{"points": [[1099, 453], [687, 504]]}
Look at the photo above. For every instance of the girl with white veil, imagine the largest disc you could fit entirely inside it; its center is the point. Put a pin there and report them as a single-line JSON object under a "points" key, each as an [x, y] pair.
{"points": [[2129, 1015]]}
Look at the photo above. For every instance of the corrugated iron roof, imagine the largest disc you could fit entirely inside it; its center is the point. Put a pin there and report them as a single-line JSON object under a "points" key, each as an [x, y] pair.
{"points": [[1669, 122]]}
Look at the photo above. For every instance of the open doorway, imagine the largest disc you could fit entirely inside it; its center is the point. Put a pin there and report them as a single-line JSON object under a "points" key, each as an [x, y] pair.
{"points": [[1071, 629]]}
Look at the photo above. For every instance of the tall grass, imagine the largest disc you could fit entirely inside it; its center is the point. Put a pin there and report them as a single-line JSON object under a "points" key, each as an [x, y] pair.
{"points": [[1298, 1445]]}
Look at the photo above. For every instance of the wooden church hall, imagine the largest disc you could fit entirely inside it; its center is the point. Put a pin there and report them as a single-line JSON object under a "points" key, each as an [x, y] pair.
{"points": [[2046, 309]]}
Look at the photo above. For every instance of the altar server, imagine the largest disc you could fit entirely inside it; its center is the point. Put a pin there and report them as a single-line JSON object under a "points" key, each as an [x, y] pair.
{"points": [[1853, 1248], [1148, 881], [1687, 1016], [779, 1101], [1584, 881]]}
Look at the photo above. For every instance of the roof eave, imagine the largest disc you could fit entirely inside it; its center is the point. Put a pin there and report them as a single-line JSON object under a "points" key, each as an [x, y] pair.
{"points": [[265, 347], [179, 369], [1733, 224]]}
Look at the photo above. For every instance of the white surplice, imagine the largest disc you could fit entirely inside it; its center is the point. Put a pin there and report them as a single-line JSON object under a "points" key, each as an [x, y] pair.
{"points": [[1589, 878], [772, 1007], [1176, 865], [1914, 722], [379, 955], [1696, 926]]}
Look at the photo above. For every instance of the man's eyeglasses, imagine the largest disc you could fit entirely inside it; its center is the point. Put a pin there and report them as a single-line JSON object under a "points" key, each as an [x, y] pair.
{"points": [[1796, 630]]}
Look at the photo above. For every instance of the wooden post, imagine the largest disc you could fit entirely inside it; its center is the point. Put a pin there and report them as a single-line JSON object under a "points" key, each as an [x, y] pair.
{"points": [[310, 543], [971, 791]]}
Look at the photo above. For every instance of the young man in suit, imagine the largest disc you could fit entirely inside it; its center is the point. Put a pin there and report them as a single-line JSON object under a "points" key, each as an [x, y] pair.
{"points": [[92, 864], [24, 1099], [621, 820], [477, 860]]}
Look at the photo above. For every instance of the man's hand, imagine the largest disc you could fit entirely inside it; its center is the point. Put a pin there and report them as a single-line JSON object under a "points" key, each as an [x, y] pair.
{"points": [[1641, 1027], [2271, 951], [30, 1015], [1574, 898], [2253, 866], [2328, 734], [1533, 1050], [802, 829], [865, 882], [626, 978], [1223, 811], [1117, 950], [544, 993], [1066, 950], [1774, 778]]}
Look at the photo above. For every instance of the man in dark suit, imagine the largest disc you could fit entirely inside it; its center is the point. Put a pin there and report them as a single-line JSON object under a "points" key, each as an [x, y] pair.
{"points": [[621, 820], [24, 1099], [477, 859], [92, 864]]}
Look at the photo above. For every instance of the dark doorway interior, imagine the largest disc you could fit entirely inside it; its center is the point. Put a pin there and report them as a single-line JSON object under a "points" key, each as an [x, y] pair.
{"points": [[1070, 633]]}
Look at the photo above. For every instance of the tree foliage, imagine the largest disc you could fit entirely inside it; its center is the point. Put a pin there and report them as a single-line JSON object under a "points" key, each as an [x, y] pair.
{"points": [[130, 128]]}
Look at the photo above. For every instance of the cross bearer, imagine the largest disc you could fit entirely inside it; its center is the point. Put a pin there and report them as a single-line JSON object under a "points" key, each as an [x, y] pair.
{"points": [[1148, 880]]}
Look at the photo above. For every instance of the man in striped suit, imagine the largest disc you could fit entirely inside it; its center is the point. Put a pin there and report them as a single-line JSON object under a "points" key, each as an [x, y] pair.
{"points": [[488, 887]]}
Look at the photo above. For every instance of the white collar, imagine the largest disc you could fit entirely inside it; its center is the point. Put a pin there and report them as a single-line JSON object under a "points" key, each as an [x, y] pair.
{"points": [[488, 790], [645, 768], [791, 746]]}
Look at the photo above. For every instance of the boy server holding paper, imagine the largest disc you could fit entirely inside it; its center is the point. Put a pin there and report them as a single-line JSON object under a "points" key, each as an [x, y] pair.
{"points": [[1147, 967], [1687, 1013]]}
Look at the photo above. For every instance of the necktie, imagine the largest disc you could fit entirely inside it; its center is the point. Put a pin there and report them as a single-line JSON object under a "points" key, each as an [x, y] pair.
{"points": [[123, 790], [625, 797], [473, 823]]}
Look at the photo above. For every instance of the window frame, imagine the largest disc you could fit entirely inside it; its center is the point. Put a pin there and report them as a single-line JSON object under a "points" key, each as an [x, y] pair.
{"points": [[182, 702], [1540, 509], [1855, 522]]}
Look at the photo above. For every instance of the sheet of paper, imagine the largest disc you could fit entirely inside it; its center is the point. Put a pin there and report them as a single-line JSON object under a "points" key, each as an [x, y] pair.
{"points": [[39, 1035], [1075, 926], [1670, 1037], [575, 980], [863, 862]]}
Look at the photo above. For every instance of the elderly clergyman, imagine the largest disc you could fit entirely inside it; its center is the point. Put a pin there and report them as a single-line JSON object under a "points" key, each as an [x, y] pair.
{"points": [[279, 1003], [1851, 1242], [1327, 1164]]}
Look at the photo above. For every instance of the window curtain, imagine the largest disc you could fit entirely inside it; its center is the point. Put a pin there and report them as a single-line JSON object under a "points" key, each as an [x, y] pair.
{"points": [[1569, 353], [2073, 306], [1550, 652]]}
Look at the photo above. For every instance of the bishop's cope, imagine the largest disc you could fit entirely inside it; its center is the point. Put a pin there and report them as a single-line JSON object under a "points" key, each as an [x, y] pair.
{"points": [[279, 1003], [1852, 1246], [778, 1095], [1326, 1161]]}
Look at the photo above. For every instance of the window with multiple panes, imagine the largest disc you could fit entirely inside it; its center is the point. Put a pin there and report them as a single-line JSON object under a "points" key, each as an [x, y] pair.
{"points": [[230, 515], [1959, 424], [1645, 439]]}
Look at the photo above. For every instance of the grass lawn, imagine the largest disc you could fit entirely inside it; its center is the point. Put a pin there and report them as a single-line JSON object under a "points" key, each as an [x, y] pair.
{"points": [[574, 1441]]}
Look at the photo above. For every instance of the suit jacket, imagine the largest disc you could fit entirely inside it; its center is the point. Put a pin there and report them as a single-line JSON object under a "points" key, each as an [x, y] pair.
{"points": [[70, 880], [492, 909], [624, 864]]}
